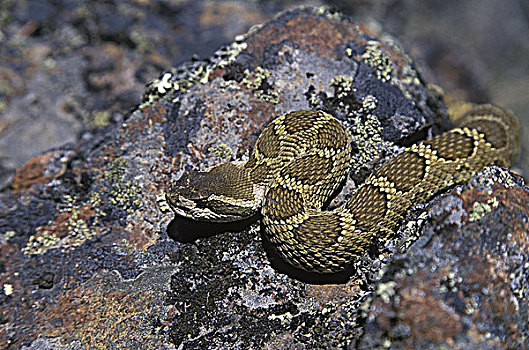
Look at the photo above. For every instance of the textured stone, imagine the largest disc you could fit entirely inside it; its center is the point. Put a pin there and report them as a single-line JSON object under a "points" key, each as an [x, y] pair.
{"points": [[90, 257], [463, 283]]}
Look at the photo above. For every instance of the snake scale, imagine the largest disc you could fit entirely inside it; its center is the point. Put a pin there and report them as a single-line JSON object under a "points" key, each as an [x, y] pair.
{"points": [[301, 158]]}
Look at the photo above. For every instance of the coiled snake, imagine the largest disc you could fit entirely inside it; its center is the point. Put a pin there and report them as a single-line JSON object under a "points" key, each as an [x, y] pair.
{"points": [[302, 157]]}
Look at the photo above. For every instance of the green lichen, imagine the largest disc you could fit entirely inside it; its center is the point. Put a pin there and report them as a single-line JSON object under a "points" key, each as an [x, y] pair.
{"points": [[78, 229], [369, 103], [386, 291], [363, 124], [493, 174], [404, 75], [409, 74], [379, 61], [313, 98], [83, 218], [5, 87], [177, 82], [366, 133], [41, 243], [98, 119], [8, 289], [123, 193], [343, 85], [8, 235], [3, 106], [161, 199], [258, 82], [328, 12], [479, 210], [518, 278], [95, 201], [143, 43], [482, 182]]}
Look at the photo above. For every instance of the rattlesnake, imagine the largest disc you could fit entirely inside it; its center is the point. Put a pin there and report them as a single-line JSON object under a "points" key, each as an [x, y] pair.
{"points": [[302, 157]]}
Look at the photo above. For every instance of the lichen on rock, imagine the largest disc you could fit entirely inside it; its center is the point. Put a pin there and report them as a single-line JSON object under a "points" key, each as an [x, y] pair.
{"points": [[109, 252]]}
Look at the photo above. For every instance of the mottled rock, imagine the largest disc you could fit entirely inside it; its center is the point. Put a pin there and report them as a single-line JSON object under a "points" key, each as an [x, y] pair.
{"points": [[463, 284], [90, 256], [68, 67]]}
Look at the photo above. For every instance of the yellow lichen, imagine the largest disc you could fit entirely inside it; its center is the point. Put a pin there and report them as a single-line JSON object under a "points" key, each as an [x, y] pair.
{"points": [[479, 210], [73, 217], [343, 84], [255, 81], [123, 193], [379, 60]]}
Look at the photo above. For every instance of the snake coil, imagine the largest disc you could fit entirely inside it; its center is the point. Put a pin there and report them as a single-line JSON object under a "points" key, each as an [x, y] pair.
{"points": [[302, 157]]}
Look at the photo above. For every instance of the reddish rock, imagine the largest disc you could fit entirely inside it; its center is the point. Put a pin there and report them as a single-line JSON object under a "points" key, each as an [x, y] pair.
{"points": [[90, 257]]}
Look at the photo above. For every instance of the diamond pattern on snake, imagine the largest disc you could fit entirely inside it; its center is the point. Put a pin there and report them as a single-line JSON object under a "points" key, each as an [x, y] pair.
{"points": [[301, 158]]}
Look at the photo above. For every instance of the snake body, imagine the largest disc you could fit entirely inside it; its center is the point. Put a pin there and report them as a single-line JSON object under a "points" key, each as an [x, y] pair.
{"points": [[301, 158]]}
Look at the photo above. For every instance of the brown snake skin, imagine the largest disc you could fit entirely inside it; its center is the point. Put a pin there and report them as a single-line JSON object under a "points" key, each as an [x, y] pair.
{"points": [[302, 157]]}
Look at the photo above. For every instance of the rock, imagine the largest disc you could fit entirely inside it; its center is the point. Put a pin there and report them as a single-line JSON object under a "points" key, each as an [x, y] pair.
{"points": [[67, 68], [90, 256], [462, 284]]}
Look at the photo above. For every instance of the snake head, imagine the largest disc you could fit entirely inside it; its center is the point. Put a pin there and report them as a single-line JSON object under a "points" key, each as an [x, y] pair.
{"points": [[189, 194], [213, 195]]}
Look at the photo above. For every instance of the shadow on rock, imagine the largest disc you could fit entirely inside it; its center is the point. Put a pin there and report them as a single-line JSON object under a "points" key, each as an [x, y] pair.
{"points": [[186, 230]]}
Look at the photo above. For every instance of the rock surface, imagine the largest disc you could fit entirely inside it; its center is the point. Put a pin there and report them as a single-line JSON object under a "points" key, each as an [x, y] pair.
{"points": [[90, 257], [68, 67]]}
